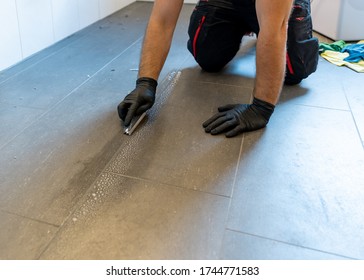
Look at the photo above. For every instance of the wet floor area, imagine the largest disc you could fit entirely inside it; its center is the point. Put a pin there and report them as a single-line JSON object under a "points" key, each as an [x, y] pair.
{"points": [[73, 186]]}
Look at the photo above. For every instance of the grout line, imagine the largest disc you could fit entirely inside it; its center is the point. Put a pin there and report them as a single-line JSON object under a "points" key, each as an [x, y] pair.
{"points": [[290, 244], [223, 84], [71, 92], [29, 218], [30, 66], [41, 59], [353, 117], [103, 171], [83, 30], [237, 165], [317, 107], [232, 191], [166, 184]]}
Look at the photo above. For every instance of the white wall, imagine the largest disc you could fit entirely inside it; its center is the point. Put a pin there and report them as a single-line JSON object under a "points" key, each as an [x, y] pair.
{"points": [[10, 46], [185, 1], [28, 26]]}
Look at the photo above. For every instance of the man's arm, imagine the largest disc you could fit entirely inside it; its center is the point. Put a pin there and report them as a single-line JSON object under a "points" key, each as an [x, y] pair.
{"points": [[273, 18], [156, 45], [158, 37]]}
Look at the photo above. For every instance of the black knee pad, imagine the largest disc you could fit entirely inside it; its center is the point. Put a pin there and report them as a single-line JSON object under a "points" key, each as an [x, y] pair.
{"points": [[302, 48]]}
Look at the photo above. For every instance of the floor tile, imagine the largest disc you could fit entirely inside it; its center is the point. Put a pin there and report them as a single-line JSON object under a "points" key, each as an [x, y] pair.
{"points": [[114, 25], [58, 157], [172, 149], [353, 87], [123, 218], [38, 57], [240, 246], [71, 145], [300, 181], [73, 186], [320, 89], [55, 77], [21, 238], [14, 119]]}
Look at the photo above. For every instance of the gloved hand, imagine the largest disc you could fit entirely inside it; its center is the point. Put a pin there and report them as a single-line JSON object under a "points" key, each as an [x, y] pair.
{"points": [[237, 118], [139, 100]]}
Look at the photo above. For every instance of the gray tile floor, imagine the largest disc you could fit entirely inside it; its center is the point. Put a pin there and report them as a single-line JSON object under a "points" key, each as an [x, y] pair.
{"points": [[73, 186]]}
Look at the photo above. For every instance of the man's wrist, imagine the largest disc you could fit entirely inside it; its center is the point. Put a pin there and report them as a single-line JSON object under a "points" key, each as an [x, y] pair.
{"points": [[265, 108], [147, 82]]}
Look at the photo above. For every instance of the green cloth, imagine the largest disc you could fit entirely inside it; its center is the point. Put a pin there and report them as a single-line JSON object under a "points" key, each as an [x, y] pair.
{"points": [[336, 46]]}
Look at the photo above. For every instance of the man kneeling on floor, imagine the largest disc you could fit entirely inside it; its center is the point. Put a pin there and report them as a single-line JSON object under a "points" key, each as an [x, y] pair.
{"points": [[285, 52]]}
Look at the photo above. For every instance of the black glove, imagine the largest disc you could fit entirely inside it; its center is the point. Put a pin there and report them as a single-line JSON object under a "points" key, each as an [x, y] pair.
{"points": [[139, 100], [237, 118]]}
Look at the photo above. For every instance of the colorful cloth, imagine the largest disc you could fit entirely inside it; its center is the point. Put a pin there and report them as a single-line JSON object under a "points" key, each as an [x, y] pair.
{"points": [[336, 46], [356, 52], [343, 54], [338, 59]]}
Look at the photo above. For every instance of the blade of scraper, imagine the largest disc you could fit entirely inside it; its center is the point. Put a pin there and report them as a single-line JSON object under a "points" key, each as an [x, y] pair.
{"points": [[135, 122]]}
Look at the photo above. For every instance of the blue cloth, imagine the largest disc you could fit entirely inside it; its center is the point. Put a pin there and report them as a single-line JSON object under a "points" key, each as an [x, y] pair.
{"points": [[356, 52]]}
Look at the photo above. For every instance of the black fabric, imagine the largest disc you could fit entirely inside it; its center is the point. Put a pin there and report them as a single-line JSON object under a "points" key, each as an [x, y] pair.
{"points": [[302, 48], [217, 27]]}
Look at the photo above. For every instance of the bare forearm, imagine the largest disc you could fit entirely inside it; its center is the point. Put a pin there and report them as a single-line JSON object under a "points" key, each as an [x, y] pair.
{"points": [[158, 37], [273, 18], [270, 61], [154, 53]]}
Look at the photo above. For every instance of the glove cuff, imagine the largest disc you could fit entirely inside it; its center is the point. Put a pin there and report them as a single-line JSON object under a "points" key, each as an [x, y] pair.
{"points": [[150, 83], [266, 109]]}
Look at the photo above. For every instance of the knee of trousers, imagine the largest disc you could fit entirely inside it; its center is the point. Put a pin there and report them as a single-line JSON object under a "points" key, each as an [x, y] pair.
{"points": [[208, 60], [210, 64]]}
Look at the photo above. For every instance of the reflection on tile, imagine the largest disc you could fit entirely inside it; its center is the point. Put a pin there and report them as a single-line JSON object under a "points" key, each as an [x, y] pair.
{"points": [[320, 89], [240, 246], [300, 181], [122, 218], [21, 238]]}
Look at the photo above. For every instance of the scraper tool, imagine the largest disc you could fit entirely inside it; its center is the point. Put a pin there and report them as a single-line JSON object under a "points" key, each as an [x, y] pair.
{"points": [[134, 123]]}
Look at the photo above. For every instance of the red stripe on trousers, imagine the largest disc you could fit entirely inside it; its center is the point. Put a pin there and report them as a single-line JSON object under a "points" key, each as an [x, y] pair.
{"points": [[289, 64], [197, 34]]}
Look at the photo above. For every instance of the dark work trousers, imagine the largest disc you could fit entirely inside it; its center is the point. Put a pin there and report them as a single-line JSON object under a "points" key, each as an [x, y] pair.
{"points": [[218, 26]]}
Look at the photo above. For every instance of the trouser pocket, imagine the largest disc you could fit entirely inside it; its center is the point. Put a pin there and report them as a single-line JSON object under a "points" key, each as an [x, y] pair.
{"points": [[303, 59], [196, 30], [302, 48]]}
